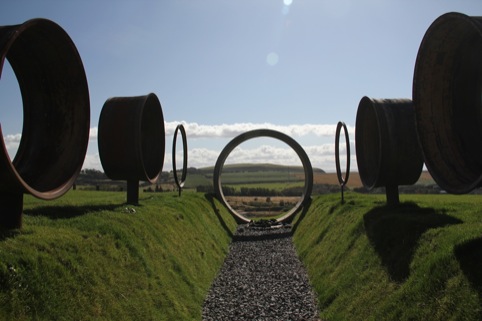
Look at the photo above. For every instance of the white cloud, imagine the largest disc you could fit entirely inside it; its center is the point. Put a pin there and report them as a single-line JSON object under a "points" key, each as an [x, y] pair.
{"points": [[318, 141], [195, 130], [11, 143], [92, 161], [93, 133]]}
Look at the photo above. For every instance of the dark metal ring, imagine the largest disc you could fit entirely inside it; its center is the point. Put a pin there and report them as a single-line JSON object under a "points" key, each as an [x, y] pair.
{"points": [[131, 141], [180, 184], [131, 138], [56, 111], [446, 96], [341, 180], [308, 170]]}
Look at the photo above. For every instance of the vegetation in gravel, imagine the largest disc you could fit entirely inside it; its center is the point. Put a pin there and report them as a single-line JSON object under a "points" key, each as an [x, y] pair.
{"points": [[89, 256], [421, 260]]}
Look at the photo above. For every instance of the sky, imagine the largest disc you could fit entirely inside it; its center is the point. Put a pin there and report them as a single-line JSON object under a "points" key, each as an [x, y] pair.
{"points": [[223, 67]]}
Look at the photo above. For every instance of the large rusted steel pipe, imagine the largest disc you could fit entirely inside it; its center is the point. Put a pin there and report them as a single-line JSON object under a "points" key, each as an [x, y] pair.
{"points": [[56, 115], [447, 95], [131, 138], [387, 149]]}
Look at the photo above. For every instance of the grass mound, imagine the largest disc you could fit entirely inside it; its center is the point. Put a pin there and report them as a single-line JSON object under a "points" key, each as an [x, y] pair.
{"points": [[88, 256], [421, 260]]}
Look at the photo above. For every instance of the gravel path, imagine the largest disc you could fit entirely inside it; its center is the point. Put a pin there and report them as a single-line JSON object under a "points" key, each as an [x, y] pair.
{"points": [[262, 278]]}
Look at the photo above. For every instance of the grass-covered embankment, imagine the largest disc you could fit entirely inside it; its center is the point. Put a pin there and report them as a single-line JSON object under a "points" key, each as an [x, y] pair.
{"points": [[419, 261], [88, 256]]}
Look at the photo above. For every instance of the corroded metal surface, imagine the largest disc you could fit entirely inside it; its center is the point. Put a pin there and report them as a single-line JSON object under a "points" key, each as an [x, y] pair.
{"points": [[308, 170], [447, 91], [387, 149], [56, 112], [179, 182], [131, 141]]}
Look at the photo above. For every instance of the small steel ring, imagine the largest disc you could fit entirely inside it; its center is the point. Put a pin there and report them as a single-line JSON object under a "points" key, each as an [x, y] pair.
{"points": [[180, 184], [342, 180]]}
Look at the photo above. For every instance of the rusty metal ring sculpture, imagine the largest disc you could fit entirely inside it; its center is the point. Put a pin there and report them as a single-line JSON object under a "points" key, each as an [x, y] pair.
{"points": [[131, 140], [308, 170], [447, 90], [56, 115], [179, 183], [342, 180], [387, 149]]}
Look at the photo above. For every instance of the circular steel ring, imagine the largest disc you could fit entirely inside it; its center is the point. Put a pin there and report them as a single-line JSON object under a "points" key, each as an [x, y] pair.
{"points": [[447, 89], [56, 109], [308, 170], [180, 184], [131, 138], [342, 180]]}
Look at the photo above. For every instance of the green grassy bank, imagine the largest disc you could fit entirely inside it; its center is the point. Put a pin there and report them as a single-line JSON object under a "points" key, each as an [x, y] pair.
{"points": [[419, 261], [88, 256]]}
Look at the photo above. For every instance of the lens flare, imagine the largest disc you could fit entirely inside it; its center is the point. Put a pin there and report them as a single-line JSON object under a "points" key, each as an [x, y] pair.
{"points": [[272, 58]]}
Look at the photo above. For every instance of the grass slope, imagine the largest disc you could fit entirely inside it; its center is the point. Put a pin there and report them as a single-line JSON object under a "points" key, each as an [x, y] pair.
{"points": [[419, 261], [88, 256]]}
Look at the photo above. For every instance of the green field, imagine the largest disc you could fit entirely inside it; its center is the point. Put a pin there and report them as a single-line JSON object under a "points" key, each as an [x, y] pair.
{"points": [[89, 256]]}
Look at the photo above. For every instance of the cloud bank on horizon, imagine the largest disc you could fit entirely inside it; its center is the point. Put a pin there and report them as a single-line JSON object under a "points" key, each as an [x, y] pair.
{"points": [[205, 143]]}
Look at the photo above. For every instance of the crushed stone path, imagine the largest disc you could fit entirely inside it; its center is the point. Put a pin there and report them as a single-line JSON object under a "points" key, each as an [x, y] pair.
{"points": [[261, 278]]}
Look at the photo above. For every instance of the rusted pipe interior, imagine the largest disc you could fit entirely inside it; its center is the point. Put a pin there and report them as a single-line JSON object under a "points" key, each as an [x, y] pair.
{"points": [[447, 94], [131, 138], [388, 153], [368, 144], [56, 108]]}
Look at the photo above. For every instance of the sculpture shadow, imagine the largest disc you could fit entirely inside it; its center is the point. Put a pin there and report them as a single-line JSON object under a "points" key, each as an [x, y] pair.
{"points": [[68, 211], [210, 198], [469, 255], [302, 215], [394, 232], [8, 233]]}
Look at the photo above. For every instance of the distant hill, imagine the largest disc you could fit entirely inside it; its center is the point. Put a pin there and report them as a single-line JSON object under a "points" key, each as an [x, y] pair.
{"points": [[251, 167], [236, 173]]}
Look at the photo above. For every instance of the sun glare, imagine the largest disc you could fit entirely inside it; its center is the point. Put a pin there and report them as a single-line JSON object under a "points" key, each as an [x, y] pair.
{"points": [[272, 58]]}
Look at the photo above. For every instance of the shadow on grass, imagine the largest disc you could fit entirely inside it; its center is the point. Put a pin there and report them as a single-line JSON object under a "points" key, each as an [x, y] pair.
{"points": [[302, 215], [68, 211], [469, 255], [6, 234], [395, 231], [210, 198]]}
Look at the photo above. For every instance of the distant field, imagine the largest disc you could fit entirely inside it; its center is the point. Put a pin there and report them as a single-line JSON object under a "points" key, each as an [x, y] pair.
{"points": [[276, 177]]}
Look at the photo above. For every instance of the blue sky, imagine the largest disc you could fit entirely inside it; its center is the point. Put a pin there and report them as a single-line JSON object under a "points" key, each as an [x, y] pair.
{"points": [[223, 67]]}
